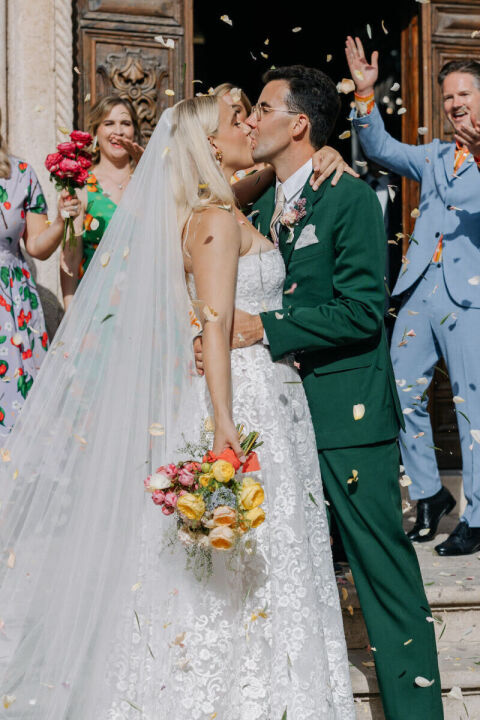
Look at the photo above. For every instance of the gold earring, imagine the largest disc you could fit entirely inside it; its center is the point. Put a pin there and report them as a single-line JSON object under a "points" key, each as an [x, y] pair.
{"points": [[219, 156]]}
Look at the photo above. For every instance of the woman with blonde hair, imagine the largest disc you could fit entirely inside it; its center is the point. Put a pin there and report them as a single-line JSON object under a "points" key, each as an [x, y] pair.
{"points": [[114, 124], [23, 336], [103, 615]]}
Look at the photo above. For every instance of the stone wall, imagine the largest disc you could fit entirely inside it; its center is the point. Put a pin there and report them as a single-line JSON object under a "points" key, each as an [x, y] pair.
{"points": [[36, 98]]}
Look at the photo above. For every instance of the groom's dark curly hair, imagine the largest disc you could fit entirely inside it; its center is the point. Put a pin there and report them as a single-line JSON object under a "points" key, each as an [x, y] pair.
{"points": [[313, 93]]}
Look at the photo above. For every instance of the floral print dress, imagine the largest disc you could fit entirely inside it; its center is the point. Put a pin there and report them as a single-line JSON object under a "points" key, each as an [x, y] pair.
{"points": [[23, 337]]}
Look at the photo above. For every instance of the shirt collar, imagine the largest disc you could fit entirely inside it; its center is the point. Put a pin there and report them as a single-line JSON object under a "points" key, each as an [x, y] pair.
{"points": [[295, 183]]}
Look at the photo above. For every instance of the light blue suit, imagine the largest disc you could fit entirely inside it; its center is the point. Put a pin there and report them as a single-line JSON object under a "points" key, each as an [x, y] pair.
{"points": [[440, 302]]}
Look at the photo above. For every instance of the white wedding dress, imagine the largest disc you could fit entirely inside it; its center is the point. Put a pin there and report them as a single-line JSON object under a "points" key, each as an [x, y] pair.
{"points": [[99, 617], [264, 634]]}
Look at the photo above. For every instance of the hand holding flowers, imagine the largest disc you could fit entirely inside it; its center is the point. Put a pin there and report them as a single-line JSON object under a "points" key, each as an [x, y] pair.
{"points": [[68, 168], [215, 504]]}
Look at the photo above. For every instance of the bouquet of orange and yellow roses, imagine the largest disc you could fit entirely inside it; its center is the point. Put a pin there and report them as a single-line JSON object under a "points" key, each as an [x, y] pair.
{"points": [[216, 501]]}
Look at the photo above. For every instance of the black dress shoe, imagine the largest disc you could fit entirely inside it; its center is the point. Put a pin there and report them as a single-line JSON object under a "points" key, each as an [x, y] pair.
{"points": [[464, 540], [429, 513]]}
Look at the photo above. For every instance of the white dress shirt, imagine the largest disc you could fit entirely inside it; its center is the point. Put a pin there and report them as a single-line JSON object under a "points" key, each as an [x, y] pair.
{"points": [[293, 186], [292, 189]]}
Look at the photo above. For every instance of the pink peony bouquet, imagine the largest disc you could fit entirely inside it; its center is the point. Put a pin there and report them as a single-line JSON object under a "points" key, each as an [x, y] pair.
{"points": [[216, 501], [68, 168]]}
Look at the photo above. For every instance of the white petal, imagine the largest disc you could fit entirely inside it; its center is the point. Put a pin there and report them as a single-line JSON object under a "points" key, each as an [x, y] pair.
{"points": [[475, 280], [457, 399], [423, 682], [408, 411], [475, 435], [358, 411], [455, 693], [405, 481]]}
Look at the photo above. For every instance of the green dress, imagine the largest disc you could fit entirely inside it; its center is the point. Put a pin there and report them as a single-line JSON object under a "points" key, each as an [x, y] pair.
{"points": [[100, 208]]}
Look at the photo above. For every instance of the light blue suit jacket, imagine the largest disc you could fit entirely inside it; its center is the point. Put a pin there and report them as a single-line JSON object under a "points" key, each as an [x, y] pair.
{"points": [[448, 205]]}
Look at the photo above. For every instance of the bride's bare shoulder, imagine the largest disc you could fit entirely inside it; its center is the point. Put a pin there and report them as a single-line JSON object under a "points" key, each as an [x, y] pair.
{"points": [[215, 224]]}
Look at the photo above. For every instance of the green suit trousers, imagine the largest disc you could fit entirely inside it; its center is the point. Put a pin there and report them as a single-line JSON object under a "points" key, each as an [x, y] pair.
{"points": [[387, 576]]}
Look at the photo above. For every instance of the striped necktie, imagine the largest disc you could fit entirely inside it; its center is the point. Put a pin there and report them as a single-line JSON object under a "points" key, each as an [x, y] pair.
{"points": [[277, 213]]}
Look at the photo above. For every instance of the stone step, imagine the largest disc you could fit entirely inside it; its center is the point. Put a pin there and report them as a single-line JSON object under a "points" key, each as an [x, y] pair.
{"points": [[452, 587], [458, 669]]}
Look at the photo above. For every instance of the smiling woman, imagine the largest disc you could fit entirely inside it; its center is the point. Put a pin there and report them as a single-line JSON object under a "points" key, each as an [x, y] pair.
{"points": [[114, 124]]}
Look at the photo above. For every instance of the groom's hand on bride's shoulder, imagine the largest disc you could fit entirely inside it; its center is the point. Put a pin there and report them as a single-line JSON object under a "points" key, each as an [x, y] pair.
{"points": [[327, 162], [246, 330]]}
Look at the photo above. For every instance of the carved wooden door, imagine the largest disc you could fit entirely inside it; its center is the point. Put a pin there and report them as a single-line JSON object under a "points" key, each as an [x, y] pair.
{"points": [[442, 31], [116, 51]]}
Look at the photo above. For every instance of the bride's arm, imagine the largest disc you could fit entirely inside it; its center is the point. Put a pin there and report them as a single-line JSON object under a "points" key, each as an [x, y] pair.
{"points": [[252, 186], [214, 246]]}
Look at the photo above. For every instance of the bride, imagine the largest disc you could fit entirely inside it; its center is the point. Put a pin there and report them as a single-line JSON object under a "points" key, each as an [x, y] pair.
{"points": [[100, 619]]}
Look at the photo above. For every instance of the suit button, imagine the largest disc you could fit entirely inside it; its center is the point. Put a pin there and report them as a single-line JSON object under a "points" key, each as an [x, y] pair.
{"points": [[437, 234]]}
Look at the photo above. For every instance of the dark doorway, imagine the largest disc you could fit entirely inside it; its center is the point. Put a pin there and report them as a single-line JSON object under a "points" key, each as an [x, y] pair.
{"points": [[239, 53]]}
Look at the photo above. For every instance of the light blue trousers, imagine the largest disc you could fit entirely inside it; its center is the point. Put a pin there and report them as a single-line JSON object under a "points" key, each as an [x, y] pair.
{"points": [[442, 329]]}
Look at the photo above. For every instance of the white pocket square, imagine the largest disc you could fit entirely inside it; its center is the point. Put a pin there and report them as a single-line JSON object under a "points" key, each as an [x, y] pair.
{"points": [[307, 237]]}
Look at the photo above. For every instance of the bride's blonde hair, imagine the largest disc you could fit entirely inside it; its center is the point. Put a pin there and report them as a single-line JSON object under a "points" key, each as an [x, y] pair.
{"points": [[198, 181], [5, 166]]}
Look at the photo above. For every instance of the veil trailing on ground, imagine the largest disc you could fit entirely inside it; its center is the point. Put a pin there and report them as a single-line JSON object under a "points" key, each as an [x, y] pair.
{"points": [[110, 402]]}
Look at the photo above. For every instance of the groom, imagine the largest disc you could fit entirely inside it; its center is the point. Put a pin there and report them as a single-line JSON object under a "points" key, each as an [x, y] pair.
{"points": [[333, 245]]}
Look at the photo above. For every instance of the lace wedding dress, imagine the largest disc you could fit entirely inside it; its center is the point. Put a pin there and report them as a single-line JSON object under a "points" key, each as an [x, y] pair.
{"points": [[263, 634], [99, 617]]}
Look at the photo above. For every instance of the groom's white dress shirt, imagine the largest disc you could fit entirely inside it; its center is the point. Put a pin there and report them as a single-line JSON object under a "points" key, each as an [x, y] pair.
{"points": [[292, 191], [293, 186]]}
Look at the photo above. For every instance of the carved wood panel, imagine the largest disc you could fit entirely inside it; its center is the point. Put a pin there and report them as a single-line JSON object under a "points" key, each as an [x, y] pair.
{"points": [[116, 52]]}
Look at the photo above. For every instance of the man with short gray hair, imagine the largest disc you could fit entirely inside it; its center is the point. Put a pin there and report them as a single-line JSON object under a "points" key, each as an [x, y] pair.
{"points": [[439, 286]]}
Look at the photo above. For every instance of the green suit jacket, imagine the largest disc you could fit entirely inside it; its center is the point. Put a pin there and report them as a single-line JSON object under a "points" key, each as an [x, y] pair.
{"points": [[332, 318]]}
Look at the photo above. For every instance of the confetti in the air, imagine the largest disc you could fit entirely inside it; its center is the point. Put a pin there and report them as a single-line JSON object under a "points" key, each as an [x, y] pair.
{"points": [[358, 411], [475, 280], [105, 259], [405, 481], [369, 31], [226, 19], [395, 87], [408, 411], [421, 681], [211, 315], [165, 42], [328, 58], [457, 399], [169, 92], [402, 111], [156, 429], [345, 135], [475, 435], [346, 85], [422, 130], [384, 28], [354, 477], [392, 191], [415, 213], [296, 29]]}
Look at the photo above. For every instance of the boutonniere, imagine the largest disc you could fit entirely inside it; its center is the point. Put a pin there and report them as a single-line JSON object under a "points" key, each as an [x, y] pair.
{"points": [[291, 217]]}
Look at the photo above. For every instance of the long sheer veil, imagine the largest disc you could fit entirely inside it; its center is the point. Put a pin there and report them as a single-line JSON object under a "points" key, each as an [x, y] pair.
{"points": [[110, 402]]}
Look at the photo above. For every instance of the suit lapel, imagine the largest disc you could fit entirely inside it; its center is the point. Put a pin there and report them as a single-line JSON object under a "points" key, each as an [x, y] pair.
{"points": [[312, 197], [449, 161], [263, 211]]}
